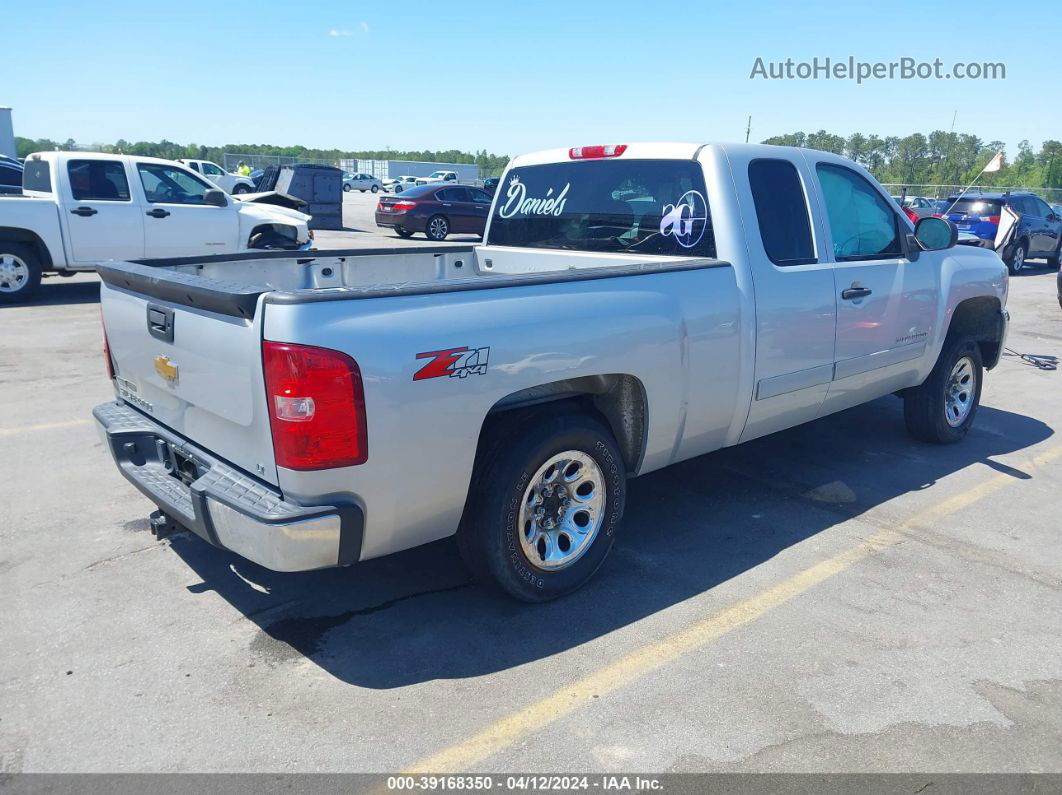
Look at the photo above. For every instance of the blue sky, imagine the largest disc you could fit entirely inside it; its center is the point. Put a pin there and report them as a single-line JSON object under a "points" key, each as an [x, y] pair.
{"points": [[509, 76]]}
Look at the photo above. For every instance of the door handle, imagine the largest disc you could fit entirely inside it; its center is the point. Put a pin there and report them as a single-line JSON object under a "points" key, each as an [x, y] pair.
{"points": [[855, 292], [158, 212], [84, 212]]}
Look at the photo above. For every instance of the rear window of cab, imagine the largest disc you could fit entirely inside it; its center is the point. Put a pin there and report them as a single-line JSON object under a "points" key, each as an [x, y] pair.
{"points": [[655, 207]]}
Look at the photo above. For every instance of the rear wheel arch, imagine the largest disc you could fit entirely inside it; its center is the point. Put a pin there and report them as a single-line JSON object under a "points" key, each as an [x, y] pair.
{"points": [[26, 237], [617, 399], [979, 320]]}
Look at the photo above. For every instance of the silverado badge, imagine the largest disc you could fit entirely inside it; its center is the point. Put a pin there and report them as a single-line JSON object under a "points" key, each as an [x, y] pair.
{"points": [[166, 368]]}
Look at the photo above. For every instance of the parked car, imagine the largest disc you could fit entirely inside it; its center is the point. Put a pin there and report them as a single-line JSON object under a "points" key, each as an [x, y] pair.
{"points": [[435, 210], [230, 183], [10, 176], [79, 209], [515, 386], [438, 176], [403, 182], [362, 182], [1039, 231], [490, 184]]}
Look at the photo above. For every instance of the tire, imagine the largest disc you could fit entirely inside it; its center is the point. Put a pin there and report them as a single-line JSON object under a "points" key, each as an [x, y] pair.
{"points": [[1055, 260], [375, 188], [20, 273], [437, 228], [346, 188], [936, 411], [1016, 262], [239, 189], [403, 233], [517, 456]]}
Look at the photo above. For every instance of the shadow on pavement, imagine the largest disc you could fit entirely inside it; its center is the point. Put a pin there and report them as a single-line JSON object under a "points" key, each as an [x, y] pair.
{"points": [[414, 616], [58, 291]]}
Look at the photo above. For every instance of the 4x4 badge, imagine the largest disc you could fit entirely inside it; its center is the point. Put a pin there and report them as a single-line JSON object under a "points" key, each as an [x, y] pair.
{"points": [[453, 362]]}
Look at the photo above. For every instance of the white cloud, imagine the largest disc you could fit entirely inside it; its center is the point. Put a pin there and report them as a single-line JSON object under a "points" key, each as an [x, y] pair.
{"points": [[364, 26], [336, 32]]}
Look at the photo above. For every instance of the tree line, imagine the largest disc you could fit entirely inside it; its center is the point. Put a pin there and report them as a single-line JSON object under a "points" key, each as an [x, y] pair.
{"points": [[489, 164], [940, 158]]}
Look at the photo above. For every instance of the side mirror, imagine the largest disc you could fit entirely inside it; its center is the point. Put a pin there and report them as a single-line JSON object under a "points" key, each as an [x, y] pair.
{"points": [[215, 197], [935, 234]]}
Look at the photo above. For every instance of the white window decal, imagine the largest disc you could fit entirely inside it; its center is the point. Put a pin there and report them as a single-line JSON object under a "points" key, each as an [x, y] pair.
{"points": [[517, 202], [686, 219]]}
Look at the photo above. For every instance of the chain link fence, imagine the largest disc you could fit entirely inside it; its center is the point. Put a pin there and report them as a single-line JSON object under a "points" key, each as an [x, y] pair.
{"points": [[1050, 195], [233, 159]]}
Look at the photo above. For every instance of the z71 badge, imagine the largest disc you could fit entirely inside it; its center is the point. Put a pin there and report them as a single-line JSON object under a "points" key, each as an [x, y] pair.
{"points": [[453, 362]]}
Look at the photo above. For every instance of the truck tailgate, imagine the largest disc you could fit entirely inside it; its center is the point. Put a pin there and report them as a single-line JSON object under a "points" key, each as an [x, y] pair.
{"points": [[196, 371]]}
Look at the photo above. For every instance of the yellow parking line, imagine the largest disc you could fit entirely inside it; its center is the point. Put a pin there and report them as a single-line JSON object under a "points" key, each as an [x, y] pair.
{"points": [[648, 658], [47, 426]]}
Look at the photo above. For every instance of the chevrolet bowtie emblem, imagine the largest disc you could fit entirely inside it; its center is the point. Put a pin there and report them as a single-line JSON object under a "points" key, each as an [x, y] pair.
{"points": [[166, 368]]}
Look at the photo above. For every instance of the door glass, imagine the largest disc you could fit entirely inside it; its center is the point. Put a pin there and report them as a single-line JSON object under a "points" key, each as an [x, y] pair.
{"points": [[862, 223], [782, 212], [98, 180], [480, 196], [1042, 209], [212, 170], [168, 185], [452, 195]]}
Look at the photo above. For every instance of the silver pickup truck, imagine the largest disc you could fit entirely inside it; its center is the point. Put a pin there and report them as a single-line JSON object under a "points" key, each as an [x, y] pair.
{"points": [[631, 307]]}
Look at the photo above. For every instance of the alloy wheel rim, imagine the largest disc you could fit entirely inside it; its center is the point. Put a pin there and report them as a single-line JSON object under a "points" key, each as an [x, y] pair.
{"points": [[1019, 259], [14, 273], [959, 392], [438, 228], [562, 510]]}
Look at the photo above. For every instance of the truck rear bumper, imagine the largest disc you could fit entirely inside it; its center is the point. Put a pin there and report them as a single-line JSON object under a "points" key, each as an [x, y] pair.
{"points": [[222, 504]]}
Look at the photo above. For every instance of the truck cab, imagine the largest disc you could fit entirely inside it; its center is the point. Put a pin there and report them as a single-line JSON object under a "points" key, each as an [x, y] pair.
{"points": [[230, 183]]}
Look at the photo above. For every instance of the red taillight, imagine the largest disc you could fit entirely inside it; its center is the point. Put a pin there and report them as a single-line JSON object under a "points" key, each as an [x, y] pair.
{"points": [[401, 207], [587, 152], [911, 214], [316, 407], [992, 219]]}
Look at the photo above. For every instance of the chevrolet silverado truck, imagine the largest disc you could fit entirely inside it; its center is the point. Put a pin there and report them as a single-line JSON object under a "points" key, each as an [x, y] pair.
{"points": [[631, 307], [80, 208]]}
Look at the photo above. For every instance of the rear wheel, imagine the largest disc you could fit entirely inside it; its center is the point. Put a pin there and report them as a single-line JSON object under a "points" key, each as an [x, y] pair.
{"points": [[942, 409], [545, 503], [1016, 262], [1055, 260], [437, 228], [241, 188], [20, 273], [375, 188]]}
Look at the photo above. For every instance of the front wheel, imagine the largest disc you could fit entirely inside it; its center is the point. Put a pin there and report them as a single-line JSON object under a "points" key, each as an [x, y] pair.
{"points": [[375, 188], [942, 409], [1055, 260], [20, 273], [403, 232], [346, 188], [437, 228], [545, 503], [240, 189]]}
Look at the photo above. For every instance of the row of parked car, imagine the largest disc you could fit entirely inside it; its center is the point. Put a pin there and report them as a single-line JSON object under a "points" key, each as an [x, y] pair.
{"points": [[368, 183], [1038, 234]]}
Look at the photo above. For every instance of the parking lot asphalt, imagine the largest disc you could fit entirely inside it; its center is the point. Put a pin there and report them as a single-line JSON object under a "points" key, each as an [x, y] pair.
{"points": [[836, 597]]}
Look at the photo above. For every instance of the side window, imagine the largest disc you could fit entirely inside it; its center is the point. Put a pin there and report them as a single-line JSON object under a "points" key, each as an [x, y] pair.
{"points": [[168, 185], [1042, 209], [212, 170], [862, 223], [98, 180], [452, 195], [480, 196], [782, 212], [193, 166]]}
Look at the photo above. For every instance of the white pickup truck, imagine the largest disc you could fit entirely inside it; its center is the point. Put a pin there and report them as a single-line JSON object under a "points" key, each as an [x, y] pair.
{"points": [[632, 306], [230, 183], [79, 208]]}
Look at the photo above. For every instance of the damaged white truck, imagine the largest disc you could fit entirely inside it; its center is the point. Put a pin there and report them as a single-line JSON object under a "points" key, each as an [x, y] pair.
{"points": [[80, 208], [632, 306]]}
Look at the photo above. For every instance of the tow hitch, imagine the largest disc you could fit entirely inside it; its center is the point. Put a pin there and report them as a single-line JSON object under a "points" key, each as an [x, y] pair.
{"points": [[162, 525]]}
